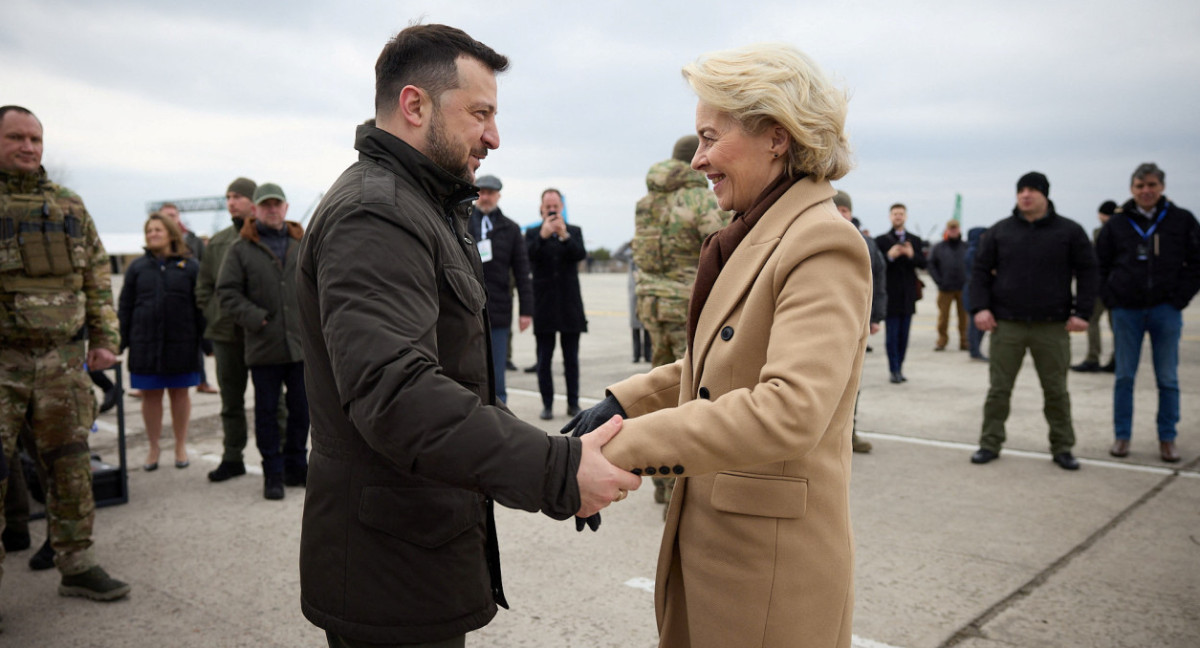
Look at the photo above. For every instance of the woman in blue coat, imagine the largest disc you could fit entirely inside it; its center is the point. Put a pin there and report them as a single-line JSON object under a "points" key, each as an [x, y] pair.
{"points": [[161, 326]]}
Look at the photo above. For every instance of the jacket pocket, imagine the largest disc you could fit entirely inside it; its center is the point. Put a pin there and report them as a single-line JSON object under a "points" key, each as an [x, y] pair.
{"points": [[467, 289], [425, 517], [761, 495]]}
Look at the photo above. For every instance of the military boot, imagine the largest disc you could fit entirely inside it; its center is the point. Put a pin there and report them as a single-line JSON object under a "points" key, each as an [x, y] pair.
{"points": [[94, 584]]}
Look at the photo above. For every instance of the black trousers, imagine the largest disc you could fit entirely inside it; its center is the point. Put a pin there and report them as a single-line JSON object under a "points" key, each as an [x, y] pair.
{"points": [[545, 355]]}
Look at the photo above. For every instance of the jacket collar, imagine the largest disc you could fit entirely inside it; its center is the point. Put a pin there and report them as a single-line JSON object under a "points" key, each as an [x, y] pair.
{"points": [[398, 156], [16, 182], [249, 229], [1041, 222]]}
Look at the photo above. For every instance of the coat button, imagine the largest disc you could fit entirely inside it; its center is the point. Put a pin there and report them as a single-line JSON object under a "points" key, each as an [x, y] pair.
{"points": [[664, 470], [704, 393], [650, 470], [727, 333], [636, 471], [678, 470]]}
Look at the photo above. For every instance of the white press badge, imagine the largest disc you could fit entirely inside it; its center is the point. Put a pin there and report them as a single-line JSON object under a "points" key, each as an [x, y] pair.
{"points": [[485, 250]]}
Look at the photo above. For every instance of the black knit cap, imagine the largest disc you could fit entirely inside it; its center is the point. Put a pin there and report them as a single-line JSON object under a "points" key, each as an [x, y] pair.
{"points": [[1035, 181], [1108, 208]]}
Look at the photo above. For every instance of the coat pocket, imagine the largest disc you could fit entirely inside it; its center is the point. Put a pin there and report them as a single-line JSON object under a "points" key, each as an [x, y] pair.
{"points": [[425, 517], [467, 289], [760, 495]]}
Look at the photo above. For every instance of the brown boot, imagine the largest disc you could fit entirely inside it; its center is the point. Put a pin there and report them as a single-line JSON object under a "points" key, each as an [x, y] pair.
{"points": [[858, 445]]}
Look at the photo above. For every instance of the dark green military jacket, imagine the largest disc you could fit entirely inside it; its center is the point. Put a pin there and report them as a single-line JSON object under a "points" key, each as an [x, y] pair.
{"points": [[220, 326], [254, 287]]}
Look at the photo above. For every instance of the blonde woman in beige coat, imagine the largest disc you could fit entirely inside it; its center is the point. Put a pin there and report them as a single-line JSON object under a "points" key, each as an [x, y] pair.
{"points": [[756, 419]]}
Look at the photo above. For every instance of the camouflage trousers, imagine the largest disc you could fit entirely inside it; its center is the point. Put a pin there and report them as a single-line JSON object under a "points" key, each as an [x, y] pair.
{"points": [[48, 389], [666, 321]]}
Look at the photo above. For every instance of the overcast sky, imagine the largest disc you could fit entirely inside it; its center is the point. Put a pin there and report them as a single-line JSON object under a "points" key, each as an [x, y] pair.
{"points": [[152, 100]]}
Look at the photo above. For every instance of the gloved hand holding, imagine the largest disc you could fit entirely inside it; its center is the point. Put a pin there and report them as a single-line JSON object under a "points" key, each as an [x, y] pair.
{"points": [[593, 417], [584, 422]]}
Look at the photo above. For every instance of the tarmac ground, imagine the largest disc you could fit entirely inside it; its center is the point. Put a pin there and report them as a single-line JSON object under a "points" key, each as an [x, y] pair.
{"points": [[1013, 553]]}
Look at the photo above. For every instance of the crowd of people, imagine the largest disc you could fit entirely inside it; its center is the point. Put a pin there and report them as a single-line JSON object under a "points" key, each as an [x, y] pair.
{"points": [[385, 328]]}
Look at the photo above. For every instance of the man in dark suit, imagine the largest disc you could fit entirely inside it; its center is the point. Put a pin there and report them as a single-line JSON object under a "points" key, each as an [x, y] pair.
{"points": [[904, 252], [555, 250]]}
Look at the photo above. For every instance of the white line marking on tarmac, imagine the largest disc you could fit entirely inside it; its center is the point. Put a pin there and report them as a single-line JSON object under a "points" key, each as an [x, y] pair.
{"points": [[215, 459], [105, 425], [955, 445], [642, 583]]}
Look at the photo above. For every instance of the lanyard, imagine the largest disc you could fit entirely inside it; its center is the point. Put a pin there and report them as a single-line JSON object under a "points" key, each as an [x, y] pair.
{"points": [[1146, 234]]}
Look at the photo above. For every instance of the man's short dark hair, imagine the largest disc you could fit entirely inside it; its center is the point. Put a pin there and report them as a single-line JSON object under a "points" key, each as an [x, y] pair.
{"points": [[897, 205], [1148, 169], [553, 191], [4, 110], [426, 56]]}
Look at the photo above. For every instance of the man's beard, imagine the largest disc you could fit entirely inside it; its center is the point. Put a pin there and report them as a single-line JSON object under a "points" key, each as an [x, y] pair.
{"points": [[442, 153]]}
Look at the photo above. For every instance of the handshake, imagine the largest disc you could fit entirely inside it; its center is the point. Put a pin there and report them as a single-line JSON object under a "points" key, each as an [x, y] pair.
{"points": [[597, 477]]}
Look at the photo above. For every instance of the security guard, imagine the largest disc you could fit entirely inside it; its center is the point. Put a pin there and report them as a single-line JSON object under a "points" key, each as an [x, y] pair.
{"points": [[56, 311]]}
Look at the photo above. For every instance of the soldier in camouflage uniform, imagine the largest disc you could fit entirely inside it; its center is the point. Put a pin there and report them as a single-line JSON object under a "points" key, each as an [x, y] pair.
{"points": [[56, 312], [672, 221]]}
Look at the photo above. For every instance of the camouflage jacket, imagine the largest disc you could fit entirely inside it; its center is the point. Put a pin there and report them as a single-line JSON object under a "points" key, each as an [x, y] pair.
{"points": [[671, 223], [55, 283]]}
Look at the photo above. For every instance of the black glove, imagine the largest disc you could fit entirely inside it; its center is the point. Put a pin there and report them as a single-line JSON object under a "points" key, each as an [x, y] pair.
{"points": [[584, 422]]}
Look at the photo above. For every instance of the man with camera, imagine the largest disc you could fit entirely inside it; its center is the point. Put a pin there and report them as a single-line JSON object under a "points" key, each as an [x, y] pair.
{"points": [[555, 250]]}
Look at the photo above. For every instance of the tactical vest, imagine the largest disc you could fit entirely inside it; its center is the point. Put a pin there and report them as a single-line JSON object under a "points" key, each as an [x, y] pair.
{"points": [[43, 254]]}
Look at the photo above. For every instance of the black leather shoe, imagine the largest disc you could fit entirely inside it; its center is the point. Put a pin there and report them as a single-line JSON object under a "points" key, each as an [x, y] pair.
{"points": [[1111, 367], [546, 414], [572, 410], [1086, 367], [110, 399], [273, 487], [44, 558], [1066, 461], [902, 377], [531, 369], [509, 366], [227, 470], [895, 378], [983, 455]]}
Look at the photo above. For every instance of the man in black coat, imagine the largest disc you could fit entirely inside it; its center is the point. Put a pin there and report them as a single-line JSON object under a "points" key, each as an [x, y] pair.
{"points": [[948, 269], [555, 250], [1149, 254], [1021, 292], [409, 445], [502, 251], [905, 253]]}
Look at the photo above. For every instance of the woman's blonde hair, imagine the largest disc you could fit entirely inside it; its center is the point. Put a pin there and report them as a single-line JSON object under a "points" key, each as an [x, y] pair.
{"points": [[178, 247], [771, 83]]}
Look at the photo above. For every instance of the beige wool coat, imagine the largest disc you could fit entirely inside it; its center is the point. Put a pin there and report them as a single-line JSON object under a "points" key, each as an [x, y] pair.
{"points": [[756, 420]]}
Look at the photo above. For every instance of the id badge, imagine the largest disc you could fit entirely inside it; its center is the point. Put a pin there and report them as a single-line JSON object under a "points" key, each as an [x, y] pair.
{"points": [[485, 250], [1143, 251]]}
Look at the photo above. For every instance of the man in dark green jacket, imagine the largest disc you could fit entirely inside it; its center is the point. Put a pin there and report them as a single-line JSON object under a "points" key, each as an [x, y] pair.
{"points": [[257, 289], [228, 346], [410, 444]]}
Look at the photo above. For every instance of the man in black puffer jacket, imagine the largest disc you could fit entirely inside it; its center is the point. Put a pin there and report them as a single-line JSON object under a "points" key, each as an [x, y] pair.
{"points": [[1021, 291], [1149, 254]]}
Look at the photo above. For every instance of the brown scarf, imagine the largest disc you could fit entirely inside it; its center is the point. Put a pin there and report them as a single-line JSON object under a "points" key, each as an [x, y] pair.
{"points": [[719, 246]]}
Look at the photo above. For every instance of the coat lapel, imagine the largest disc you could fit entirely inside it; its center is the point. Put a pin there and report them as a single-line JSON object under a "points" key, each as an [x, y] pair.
{"points": [[747, 262]]}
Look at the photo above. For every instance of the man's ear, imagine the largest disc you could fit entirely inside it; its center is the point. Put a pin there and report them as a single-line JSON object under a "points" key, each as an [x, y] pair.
{"points": [[414, 106]]}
